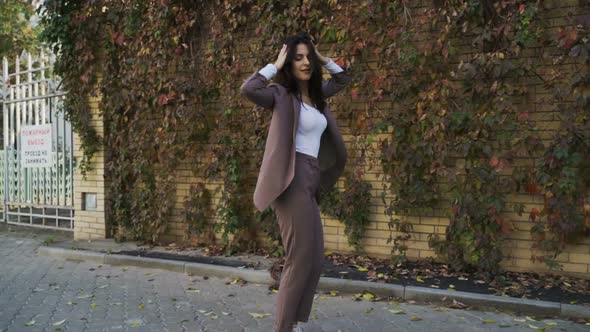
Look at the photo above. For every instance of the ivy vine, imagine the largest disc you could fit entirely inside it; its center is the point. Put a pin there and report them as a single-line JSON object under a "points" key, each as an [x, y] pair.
{"points": [[443, 102]]}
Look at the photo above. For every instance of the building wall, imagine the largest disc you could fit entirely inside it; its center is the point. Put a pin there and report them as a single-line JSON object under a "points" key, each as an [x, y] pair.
{"points": [[575, 259], [90, 222]]}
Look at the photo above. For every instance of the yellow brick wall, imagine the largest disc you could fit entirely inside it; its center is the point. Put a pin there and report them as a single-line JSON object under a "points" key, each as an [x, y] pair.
{"points": [[90, 225], [575, 259], [518, 246]]}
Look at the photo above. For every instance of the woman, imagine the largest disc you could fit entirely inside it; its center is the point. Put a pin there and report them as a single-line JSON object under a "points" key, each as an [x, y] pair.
{"points": [[304, 155]]}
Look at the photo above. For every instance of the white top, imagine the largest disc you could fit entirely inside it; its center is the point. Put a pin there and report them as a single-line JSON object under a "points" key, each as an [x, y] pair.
{"points": [[312, 122]]}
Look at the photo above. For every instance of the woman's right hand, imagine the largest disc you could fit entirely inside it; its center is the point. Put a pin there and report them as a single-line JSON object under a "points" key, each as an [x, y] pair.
{"points": [[281, 58]]}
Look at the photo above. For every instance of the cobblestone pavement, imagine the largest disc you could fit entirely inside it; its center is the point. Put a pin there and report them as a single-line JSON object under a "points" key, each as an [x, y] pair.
{"points": [[47, 294]]}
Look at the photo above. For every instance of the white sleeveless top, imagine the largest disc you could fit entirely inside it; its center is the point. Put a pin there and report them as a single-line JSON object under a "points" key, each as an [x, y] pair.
{"points": [[312, 124]]}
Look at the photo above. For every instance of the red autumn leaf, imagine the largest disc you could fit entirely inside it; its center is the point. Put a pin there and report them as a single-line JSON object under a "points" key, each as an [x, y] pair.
{"points": [[505, 228], [359, 44], [521, 8], [523, 116], [533, 215], [163, 100], [531, 188], [494, 162], [118, 38], [393, 33], [567, 37], [554, 217], [354, 93]]}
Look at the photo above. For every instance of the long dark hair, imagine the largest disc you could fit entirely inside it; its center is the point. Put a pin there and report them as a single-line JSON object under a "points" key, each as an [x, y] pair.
{"points": [[285, 76]]}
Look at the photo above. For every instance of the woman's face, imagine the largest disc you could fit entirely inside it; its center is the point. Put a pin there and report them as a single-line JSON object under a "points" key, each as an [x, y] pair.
{"points": [[301, 64]]}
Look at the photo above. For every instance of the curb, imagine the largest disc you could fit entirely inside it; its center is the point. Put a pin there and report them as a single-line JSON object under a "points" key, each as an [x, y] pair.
{"points": [[407, 293], [541, 308]]}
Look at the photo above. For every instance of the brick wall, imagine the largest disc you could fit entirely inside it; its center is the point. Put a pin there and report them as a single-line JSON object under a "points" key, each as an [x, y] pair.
{"points": [[89, 221], [575, 259]]}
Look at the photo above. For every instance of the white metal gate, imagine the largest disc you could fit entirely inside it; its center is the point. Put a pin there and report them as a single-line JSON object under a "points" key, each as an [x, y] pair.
{"points": [[39, 196]]}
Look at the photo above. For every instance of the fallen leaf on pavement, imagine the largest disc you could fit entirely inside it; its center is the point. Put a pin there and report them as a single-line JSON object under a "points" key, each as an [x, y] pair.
{"points": [[397, 312], [258, 315], [488, 321], [415, 318], [211, 315], [30, 323], [457, 305], [59, 323], [237, 281]]}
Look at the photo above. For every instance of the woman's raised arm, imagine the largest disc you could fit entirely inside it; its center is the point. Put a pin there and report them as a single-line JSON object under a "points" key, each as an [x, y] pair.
{"points": [[256, 88], [339, 80]]}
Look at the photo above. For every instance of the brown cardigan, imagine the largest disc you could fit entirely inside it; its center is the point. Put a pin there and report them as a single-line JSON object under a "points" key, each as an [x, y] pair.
{"points": [[278, 163]]}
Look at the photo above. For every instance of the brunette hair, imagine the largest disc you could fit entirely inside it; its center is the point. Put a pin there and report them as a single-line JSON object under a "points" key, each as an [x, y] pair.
{"points": [[285, 76]]}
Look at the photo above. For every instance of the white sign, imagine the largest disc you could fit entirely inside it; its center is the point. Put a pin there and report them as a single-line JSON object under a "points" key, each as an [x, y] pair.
{"points": [[35, 146]]}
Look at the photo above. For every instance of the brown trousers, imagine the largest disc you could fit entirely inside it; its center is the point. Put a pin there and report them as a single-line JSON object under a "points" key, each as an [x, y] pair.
{"points": [[303, 239]]}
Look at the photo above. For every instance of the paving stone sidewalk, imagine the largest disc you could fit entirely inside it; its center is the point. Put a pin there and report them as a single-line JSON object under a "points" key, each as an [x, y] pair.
{"points": [[47, 294]]}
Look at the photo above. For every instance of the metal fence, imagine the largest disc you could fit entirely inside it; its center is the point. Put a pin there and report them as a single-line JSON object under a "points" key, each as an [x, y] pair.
{"points": [[36, 195]]}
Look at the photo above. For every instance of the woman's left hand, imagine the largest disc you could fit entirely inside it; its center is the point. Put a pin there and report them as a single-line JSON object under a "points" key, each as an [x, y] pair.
{"points": [[323, 60]]}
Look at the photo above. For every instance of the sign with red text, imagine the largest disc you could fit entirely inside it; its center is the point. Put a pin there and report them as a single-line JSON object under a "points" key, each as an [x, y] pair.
{"points": [[35, 146]]}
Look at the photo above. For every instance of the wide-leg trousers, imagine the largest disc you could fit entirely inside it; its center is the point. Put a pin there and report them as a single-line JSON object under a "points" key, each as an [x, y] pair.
{"points": [[303, 239]]}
